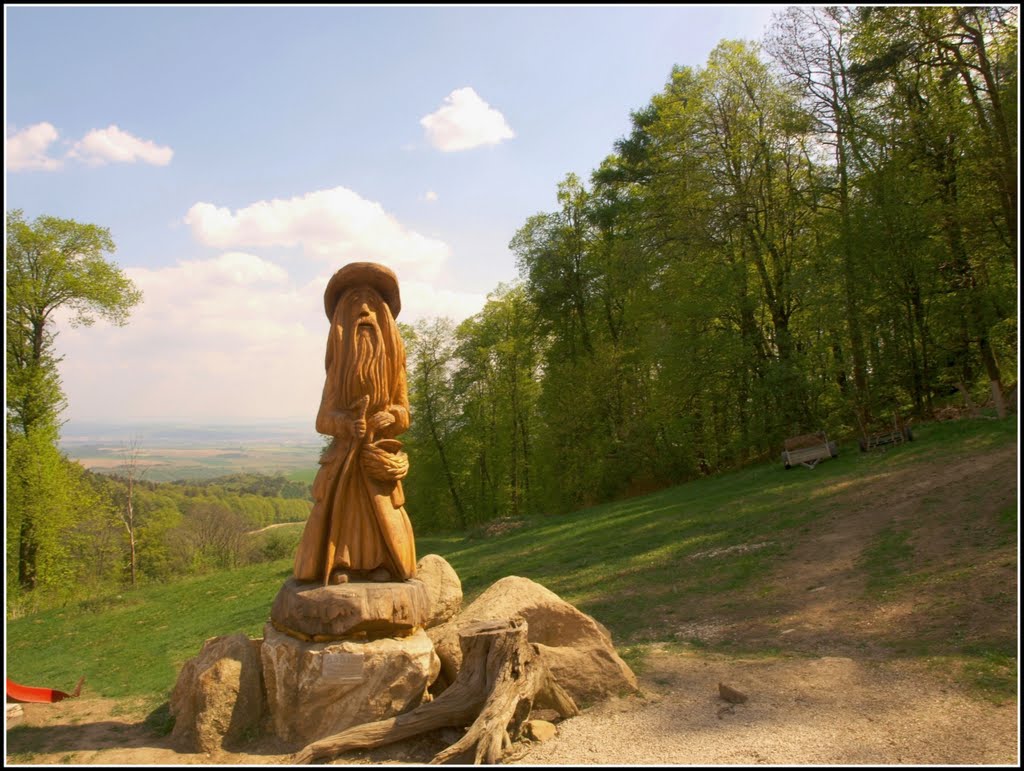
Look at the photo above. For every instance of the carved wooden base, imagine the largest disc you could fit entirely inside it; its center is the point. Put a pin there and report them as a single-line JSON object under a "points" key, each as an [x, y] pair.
{"points": [[501, 678], [311, 611]]}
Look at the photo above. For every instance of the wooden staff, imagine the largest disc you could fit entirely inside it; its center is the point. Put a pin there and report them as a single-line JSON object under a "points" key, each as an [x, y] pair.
{"points": [[339, 485]]}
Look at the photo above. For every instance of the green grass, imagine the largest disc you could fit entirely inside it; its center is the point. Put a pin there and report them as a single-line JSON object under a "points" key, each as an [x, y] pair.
{"points": [[635, 565], [133, 644], [604, 559], [992, 671], [1008, 524], [886, 561]]}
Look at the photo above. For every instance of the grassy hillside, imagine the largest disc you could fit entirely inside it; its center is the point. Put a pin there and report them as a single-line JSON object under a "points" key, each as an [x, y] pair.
{"points": [[908, 552]]}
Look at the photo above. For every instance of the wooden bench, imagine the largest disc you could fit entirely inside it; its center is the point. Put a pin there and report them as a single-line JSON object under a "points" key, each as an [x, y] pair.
{"points": [[899, 434], [807, 450]]}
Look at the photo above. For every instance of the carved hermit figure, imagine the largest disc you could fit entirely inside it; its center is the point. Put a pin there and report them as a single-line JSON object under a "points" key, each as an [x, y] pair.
{"points": [[358, 527]]}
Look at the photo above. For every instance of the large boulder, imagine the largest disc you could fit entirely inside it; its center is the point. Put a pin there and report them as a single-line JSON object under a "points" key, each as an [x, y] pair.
{"points": [[578, 650], [217, 701], [318, 689], [443, 587]]}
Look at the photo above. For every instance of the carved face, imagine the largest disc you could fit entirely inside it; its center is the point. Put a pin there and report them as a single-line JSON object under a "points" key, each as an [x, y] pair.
{"points": [[363, 361], [360, 306]]}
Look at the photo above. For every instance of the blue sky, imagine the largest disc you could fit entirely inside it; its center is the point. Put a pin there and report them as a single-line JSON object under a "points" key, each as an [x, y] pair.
{"points": [[241, 155]]}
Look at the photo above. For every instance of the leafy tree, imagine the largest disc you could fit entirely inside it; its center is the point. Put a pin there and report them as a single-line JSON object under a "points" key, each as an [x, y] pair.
{"points": [[496, 382], [437, 416], [942, 82], [51, 263], [217, 536], [812, 46]]}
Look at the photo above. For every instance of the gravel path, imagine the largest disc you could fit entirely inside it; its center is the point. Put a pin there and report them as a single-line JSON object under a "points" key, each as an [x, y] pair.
{"points": [[828, 711]]}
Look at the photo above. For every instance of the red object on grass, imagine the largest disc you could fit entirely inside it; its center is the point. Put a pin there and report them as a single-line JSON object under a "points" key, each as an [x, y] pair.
{"points": [[25, 693]]}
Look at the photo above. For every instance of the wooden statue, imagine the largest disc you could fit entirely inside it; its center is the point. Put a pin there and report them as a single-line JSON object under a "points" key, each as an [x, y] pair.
{"points": [[358, 527]]}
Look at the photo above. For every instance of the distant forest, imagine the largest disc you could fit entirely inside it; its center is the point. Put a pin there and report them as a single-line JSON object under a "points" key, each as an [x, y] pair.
{"points": [[178, 528], [815, 233]]}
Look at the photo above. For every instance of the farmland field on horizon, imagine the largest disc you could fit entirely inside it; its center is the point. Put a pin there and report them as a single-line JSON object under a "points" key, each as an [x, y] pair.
{"points": [[192, 450]]}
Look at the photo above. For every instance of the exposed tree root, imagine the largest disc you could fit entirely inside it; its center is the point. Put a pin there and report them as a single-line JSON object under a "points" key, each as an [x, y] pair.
{"points": [[501, 677]]}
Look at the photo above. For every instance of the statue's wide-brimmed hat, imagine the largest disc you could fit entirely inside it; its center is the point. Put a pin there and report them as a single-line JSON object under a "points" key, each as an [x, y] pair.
{"points": [[370, 274]]}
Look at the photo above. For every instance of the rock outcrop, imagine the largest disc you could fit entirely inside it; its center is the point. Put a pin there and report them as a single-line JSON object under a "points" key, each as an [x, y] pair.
{"points": [[217, 701], [443, 587], [577, 649]]}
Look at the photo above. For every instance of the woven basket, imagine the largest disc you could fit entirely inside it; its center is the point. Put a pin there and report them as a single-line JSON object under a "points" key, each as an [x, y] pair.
{"points": [[384, 461]]}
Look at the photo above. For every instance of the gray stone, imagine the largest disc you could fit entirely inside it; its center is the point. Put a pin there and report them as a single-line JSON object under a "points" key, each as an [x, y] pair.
{"points": [[217, 700], [318, 689], [443, 587], [352, 609]]}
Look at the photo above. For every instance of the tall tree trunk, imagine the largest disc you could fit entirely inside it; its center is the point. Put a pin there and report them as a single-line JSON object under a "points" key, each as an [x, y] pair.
{"points": [[27, 549], [850, 279], [968, 285], [445, 465]]}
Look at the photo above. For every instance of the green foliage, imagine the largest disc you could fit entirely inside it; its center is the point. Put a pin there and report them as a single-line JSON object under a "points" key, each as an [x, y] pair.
{"points": [[262, 485], [39, 512], [473, 392], [180, 529], [279, 542]]}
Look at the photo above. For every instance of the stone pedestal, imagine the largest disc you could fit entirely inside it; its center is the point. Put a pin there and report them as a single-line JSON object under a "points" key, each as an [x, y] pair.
{"points": [[315, 689]]}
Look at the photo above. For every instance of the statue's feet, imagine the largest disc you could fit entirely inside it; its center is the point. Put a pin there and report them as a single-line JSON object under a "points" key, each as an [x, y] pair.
{"points": [[340, 576], [380, 575]]}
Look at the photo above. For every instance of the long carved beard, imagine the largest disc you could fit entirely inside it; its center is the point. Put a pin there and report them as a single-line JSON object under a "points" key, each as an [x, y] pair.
{"points": [[366, 373]]}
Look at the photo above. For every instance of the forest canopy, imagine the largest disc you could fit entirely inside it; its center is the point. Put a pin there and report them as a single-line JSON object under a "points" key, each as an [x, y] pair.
{"points": [[817, 232]]}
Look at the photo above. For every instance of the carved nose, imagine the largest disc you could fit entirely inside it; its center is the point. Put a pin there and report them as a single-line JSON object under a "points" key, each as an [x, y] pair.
{"points": [[364, 311]]}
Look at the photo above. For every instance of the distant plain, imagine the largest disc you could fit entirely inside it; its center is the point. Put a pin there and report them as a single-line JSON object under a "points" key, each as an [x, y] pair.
{"points": [[190, 451]]}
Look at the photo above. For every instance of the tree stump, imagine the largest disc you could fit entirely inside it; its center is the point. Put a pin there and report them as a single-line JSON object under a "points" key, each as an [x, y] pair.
{"points": [[501, 678]]}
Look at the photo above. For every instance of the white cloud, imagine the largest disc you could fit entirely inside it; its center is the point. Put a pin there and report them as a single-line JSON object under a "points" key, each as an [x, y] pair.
{"points": [[336, 225], [27, 148], [421, 299], [112, 145], [430, 196], [465, 121], [231, 337]]}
